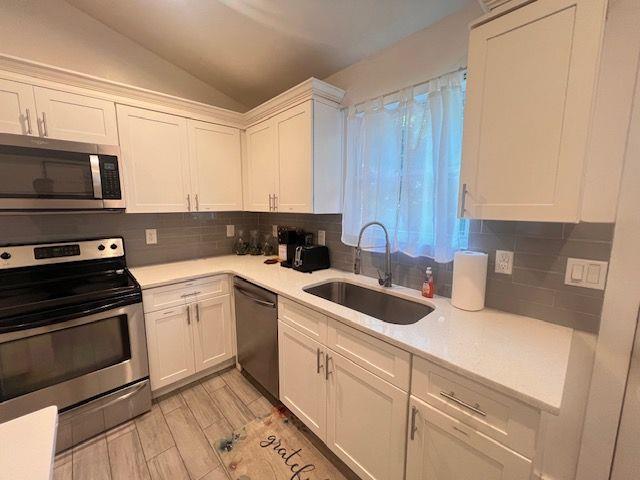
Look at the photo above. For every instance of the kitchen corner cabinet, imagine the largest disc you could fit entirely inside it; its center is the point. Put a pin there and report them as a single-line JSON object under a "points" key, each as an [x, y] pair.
{"points": [[530, 87], [440, 447], [48, 113], [177, 165], [294, 161]]}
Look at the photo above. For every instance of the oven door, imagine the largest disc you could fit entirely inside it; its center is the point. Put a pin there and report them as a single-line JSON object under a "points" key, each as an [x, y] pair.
{"points": [[44, 174], [71, 362]]}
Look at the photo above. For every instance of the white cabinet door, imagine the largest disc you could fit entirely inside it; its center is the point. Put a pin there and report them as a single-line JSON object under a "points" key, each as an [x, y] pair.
{"points": [[302, 378], [68, 116], [17, 108], [442, 448], [170, 345], [216, 166], [531, 80], [366, 419], [212, 332], [262, 166], [155, 150], [294, 132]]}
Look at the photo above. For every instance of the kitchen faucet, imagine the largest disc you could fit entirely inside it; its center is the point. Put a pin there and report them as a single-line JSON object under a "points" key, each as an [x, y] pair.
{"points": [[385, 280]]}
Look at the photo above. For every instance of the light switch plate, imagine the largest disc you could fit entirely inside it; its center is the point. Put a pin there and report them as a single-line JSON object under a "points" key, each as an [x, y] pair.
{"points": [[151, 236], [504, 262], [231, 230], [322, 237], [586, 273]]}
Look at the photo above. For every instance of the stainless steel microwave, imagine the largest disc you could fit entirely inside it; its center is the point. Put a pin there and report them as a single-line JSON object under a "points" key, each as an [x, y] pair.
{"points": [[46, 174]]}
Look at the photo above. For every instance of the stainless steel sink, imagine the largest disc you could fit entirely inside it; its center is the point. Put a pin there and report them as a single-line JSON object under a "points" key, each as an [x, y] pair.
{"points": [[380, 305]]}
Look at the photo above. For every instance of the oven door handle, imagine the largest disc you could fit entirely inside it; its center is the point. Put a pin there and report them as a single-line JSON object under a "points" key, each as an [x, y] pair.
{"points": [[115, 400]]}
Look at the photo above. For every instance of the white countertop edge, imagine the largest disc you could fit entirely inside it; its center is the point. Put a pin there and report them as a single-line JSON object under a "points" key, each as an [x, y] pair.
{"points": [[339, 313]]}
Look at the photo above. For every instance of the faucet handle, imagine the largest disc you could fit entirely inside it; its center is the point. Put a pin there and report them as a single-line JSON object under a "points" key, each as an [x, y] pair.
{"points": [[356, 261], [381, 278]]}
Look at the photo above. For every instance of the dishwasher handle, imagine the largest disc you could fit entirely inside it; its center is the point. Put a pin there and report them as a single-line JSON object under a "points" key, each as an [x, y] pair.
{"points": [[257, 300]]}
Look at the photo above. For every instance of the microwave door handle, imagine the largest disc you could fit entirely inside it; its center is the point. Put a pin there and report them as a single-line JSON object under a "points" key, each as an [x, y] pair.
{"points": [[95, 176]]}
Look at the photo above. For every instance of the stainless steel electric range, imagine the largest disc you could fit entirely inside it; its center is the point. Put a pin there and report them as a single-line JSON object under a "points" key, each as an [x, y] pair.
{"points": [[72, 335]]}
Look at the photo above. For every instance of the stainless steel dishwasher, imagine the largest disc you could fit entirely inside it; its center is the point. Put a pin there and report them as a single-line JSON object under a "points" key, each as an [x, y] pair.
{"points": [[257, 333]]}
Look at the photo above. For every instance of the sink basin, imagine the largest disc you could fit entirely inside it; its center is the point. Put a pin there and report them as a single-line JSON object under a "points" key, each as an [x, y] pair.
{"points": [[380, 305]]}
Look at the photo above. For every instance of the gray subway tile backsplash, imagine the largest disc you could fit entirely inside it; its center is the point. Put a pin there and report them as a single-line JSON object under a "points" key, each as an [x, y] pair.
{"points": [[536, 287]]}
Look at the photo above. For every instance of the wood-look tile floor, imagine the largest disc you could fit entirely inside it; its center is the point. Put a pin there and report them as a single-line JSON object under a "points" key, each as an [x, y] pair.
{"points": [[173, 441]]}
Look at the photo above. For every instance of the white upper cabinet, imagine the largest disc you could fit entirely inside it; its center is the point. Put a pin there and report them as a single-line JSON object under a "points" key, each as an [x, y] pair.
{"points": [[68, 116], [38, 111], [295, 160], [17, 108], [155, 151], [216, 166], [262, 167], [531, 81]]}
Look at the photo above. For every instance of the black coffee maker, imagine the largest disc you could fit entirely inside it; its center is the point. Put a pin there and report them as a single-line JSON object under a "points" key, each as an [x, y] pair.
{"points": [[288, 239]]}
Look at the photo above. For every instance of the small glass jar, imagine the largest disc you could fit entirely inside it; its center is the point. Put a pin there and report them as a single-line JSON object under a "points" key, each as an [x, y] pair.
{"points": [[254, 243], [268, 247], [240, 246]]}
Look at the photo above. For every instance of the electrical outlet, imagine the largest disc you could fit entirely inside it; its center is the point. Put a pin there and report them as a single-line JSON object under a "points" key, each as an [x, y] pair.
{"points": [[274, 231], [151, 236], [321, 237], [504, 262], [231, 230]]}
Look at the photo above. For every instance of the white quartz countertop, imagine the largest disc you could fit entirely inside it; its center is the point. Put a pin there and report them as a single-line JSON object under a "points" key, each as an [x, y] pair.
{"points": [[516, 355], [28, 444]]}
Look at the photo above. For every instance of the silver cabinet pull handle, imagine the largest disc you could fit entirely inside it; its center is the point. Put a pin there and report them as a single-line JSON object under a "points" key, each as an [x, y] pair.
{"points": [[474, 408], [275, 202], [463, 199], [45, 130], [318, 364], [188, 201], [198, 312], [327, 359], [185, 295], [197, 203], [414, 428], [29, 129], [272, 203], [189, 315]]}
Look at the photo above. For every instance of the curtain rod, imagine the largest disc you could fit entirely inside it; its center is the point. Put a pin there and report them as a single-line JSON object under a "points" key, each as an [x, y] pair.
{"points": [[394, 92]]}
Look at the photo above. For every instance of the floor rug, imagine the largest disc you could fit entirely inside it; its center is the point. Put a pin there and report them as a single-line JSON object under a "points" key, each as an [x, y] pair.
{"points": [[274, 448]]}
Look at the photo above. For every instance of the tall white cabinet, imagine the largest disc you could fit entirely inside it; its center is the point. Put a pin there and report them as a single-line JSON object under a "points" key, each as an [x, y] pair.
{"points": [[294, 159], [531, 83]]}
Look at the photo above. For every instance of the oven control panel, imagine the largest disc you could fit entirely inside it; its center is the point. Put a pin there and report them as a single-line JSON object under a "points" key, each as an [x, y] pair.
{"points": [[16, 256]]}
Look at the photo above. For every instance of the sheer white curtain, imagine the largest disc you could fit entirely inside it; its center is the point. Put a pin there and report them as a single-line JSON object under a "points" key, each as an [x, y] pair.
{"points": [[403, 169]]}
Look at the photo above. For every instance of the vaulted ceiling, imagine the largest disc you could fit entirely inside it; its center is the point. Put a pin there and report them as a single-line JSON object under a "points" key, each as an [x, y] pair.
{"points": [[254, 49]]}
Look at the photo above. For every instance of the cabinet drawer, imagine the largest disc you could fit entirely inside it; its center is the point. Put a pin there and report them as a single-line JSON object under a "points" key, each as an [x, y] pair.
{"points": [[180, 293], [303, 319], [380, 358], [498, 416]]}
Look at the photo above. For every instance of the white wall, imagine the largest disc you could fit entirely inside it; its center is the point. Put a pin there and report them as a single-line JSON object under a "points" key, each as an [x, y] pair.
{"points": [[426, 54], [55, 33]]}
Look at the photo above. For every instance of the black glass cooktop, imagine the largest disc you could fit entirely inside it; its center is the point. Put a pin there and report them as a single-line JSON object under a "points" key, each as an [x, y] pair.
{"points": [[33, 295]]}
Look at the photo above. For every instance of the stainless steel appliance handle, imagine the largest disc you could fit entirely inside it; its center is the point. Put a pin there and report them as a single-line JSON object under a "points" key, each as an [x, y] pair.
{"points": [[414, 428], [474, 408], [45, 130], [116, 400], [29, 129], [257, 300], [463, 200], [319, 366], [94, 160]]}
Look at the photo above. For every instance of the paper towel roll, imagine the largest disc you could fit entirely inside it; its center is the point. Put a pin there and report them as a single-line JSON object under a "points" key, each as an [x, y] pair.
{"points": [[469, 280]]}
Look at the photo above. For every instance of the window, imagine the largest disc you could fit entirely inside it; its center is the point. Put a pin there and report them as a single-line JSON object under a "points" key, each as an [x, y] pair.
{"points": [[403, 170]]}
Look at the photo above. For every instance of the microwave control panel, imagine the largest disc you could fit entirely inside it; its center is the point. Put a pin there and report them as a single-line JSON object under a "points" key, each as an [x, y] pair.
{"points": [[110, 177]]}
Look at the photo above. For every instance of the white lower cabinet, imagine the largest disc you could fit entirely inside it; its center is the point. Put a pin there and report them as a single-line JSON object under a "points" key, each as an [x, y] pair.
{"points": [[440, 447], [170, 346], [366, 419], [303, 385], [188, 339]]}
